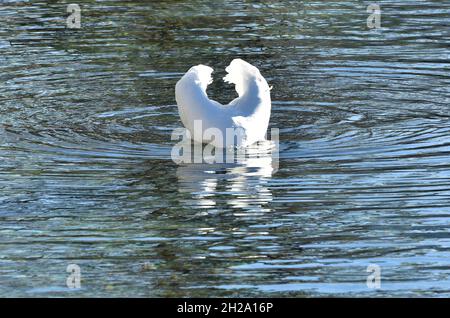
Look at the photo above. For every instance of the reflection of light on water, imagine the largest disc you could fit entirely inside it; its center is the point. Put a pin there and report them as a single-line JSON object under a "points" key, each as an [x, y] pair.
{"points": [[242, 184], [209, 186]]}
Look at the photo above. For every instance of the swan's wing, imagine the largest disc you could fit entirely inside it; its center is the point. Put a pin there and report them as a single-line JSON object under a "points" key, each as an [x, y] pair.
{"points": [[239, 72], [193, 101], [203, 75]]}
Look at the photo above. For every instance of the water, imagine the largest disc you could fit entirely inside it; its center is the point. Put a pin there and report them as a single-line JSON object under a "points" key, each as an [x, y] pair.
{"points": [[86, 176]]}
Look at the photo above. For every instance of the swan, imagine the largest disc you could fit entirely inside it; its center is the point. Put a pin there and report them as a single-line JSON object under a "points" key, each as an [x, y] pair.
{"points": [[241, 123]]}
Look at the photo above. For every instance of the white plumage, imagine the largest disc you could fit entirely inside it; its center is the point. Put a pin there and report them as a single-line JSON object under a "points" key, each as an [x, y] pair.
{"points": [[248, 114]]}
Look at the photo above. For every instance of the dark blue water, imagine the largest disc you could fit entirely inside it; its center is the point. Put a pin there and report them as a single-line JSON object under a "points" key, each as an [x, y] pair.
{"points": [[86, 176]]}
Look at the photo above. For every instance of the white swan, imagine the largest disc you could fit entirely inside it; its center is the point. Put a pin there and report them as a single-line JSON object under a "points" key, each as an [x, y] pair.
{"points": [[247, 116]]}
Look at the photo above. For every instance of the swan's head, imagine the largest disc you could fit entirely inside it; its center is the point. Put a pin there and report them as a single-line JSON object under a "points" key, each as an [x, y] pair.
{"points": [[245, 77]]}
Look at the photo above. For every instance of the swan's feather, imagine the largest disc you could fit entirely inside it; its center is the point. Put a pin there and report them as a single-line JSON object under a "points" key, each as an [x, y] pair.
{"points": [[239, 72]]}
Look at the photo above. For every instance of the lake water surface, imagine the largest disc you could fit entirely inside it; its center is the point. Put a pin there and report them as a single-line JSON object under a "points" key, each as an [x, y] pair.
{"points": [[86, 175]]}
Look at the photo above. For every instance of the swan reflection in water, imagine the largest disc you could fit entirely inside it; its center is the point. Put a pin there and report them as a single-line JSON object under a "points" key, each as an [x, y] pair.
{"points": [[243, 183]]}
